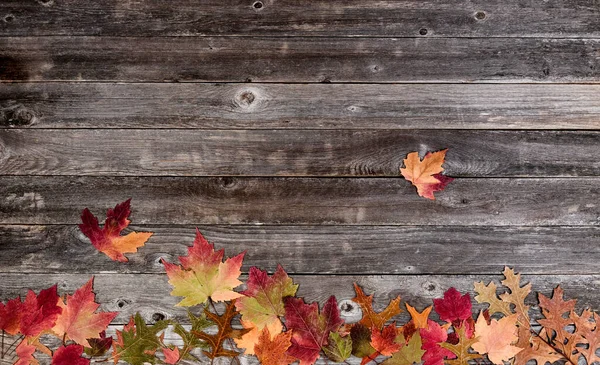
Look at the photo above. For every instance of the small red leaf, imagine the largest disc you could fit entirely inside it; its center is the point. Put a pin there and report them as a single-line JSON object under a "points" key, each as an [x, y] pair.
{"points": [[69, 355], [454, 306]]}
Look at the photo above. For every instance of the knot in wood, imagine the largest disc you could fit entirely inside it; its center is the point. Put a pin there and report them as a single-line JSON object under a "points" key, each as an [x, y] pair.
{"points": [[258, 5], [350, 311], [480, 15], [247, 97], [22, 116]]}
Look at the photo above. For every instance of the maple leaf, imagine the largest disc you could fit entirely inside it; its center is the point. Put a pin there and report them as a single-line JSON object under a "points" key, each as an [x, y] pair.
{"points": [[251, 338], [79, 320], [225, 331], [39, 313], [361, 340], [419, 320], [262, 303], [310, 328], [137, 343], [453, 307], [108, 240], [69, 355], [25, 353], [338, 348], [496, 339], [370, 318], [487, 294], [171, 355], [433, 336], [426, 175], [409, 354], [461, 350], [203, 274], [10, 316], [384, 341], [98, 346], [272, 350]]}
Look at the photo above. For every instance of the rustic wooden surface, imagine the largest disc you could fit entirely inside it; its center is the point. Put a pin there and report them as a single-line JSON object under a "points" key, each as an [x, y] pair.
{"points": [[279, 127]]}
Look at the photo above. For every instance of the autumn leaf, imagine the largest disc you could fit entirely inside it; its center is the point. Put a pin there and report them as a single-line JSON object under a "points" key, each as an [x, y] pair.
{"points": [[419, 319], [137, 343], [190, 340], [370, 318], [487, 294], [25, 353], [224, 331], [537, 350], [433, 337], [409, 354], [426, 174], [496, 339], [79, 320], [361, 340], [171, 355], [461, 350], [251, 338], [69, 355], [310, 328], [338, 348], [10, 316], [39, 312], [204, 275], [384, 341], [108, 240], [262, 303], [98, 346], [272, 350], [587, 333], [453, 307]]}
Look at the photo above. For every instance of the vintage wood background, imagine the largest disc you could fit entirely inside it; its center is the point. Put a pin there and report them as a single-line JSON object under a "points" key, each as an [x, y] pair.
{"points": [[279, 127]]}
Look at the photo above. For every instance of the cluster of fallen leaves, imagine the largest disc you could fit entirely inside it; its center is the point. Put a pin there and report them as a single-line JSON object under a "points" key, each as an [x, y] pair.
{"points": [[268, 320]]}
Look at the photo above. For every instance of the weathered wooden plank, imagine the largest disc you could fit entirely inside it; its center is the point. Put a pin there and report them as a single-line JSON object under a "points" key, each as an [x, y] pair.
{"points": [[276, 59], [127, 152], [299, 106], [455, 18], [365, 201], [319, 249], [149, 293]]}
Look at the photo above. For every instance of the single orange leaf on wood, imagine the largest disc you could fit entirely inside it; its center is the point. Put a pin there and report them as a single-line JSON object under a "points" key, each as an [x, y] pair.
{"points": [[79, 320], [426, 174], [108, 240]]}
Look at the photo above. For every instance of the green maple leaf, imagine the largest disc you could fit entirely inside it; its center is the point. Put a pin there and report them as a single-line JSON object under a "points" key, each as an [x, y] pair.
{"points": [[338, 348], [137, 343], [191, 341], [409, 354]]}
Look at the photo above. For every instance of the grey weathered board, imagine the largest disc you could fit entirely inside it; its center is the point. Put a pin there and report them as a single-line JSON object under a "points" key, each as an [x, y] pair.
{"points": [[278, 127]]}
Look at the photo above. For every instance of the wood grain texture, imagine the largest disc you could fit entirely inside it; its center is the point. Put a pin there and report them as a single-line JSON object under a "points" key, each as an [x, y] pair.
{"points": [[299, 106], [454, 18], [128, 152], [275, 59], [304, 201], [344, 250], [148, 293]]}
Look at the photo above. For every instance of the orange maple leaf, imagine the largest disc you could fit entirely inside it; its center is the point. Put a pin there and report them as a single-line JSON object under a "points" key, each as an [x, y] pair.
{"points": [[426, 175], [496, 339], [79, 320], [108, 240], [370, 318], [272, 350], [251, 338]]}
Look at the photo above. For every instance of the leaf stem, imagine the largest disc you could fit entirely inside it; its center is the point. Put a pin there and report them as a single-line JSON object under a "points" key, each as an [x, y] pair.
{"points": [[2, 348], [549, 344]]}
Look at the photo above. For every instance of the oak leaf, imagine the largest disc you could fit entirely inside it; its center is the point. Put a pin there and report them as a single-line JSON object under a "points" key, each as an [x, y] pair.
{"points": [[419, 320], [203, 274], [426, 174], [309, 327], [496, 339], [410, 353], [79, 320], [191, 341], [537, 350], [224, 332], [370, 318], [108, 240], [262, 303], [338, 348], [487, 294], [461, 349], [137, 343], [453, 307], [69, 355], [272, 350]]}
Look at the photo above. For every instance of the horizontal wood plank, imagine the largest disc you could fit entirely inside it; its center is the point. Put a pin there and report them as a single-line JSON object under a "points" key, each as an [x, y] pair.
{"points": [[363, 201], [319, 249], [128, 152], [299, 106], [398, 18], [275, 59], [149, 293]]}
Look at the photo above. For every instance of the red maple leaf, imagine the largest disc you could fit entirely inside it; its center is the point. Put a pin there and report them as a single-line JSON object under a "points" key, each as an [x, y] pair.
{"points": [[310, 328], [69, 355], [453, 307], [39, 313], [25, 352], [10, 316], [432, 336], [108, 240]]}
